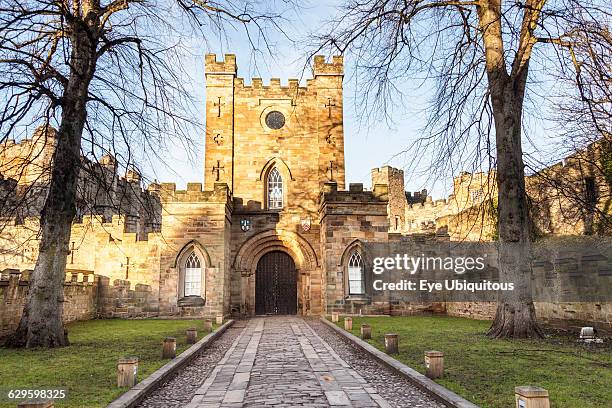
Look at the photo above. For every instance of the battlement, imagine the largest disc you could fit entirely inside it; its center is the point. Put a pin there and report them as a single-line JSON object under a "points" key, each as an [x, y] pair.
{"points": [[226, 66], [417, 197], [355, 194], [229, 66], [321, 67], [275, 83], [386, 170], [40, 136], [16, 277], [194, 193], [429, 203]]}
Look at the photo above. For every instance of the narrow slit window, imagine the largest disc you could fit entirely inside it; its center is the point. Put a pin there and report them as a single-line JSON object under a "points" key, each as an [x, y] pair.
{"points": [[590, 191]]}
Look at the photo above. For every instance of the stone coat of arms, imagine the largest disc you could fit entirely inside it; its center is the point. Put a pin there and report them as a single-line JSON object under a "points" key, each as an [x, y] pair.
{"points": [[245, 224], [305, 223]]}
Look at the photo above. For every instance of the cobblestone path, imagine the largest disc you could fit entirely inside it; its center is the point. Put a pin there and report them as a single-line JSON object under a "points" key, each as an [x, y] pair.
{"points": [[282, 362]]}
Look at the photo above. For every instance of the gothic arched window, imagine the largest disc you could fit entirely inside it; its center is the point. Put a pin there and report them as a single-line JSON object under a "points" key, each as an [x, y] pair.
{"points": [[275, 190], [356, 284], [193, 276]]}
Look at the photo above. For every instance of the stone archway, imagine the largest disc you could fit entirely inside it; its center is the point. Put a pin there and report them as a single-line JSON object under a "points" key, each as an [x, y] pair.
{"points": [[303, 255]]}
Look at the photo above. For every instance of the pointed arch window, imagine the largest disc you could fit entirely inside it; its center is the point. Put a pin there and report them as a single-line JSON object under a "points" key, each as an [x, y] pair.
{"points": [[356, 284], [193, 275], [275, 190]]}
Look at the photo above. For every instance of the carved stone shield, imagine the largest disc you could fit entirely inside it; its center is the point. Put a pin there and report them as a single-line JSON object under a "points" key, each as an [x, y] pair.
{"points": [[245, 224], [305, 223]]}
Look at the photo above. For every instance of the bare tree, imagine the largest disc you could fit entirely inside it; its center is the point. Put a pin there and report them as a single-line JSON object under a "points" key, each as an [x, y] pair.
{"points": [[107, 75], [489, 59]]}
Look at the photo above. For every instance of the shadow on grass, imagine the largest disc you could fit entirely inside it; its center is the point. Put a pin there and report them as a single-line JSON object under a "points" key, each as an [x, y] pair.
{"points": [[485, 371], [88, 367]]}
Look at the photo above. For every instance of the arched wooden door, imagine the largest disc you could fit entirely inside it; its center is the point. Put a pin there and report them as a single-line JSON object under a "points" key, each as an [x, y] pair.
{"points": [[275, 284]]}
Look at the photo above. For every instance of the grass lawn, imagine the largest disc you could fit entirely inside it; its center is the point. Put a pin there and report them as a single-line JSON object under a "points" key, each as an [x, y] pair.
{"points": [[88, 367], [486, 371]]}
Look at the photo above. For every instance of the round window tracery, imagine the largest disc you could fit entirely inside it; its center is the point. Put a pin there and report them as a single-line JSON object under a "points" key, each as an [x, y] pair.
{"points": [[275, 120]]}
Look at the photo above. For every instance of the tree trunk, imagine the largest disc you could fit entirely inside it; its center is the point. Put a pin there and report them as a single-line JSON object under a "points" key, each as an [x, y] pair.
{"points": [[41, 324], [515, 316]]}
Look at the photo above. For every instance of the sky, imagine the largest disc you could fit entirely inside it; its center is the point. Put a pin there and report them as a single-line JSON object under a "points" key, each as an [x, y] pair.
{"points": [[367, 146]]}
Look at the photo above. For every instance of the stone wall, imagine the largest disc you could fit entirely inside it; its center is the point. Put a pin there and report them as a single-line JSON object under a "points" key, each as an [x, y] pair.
{"points": [[565, 316], [80, 298], [567, 257], [103, 247], [574, 197], [123, 300], [464, 215], [348, 218], [194, 220]]}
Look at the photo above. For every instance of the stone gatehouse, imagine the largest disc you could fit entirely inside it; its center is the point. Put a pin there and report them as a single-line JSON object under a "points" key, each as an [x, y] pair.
{"points": [[267, 226], [274, 228]]}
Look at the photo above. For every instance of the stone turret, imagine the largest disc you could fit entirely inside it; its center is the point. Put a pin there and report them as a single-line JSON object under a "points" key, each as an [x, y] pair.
{"points": [[394, 178], [321, 67]]}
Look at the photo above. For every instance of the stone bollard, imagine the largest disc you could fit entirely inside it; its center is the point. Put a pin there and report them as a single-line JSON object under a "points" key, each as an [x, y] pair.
{"points": [[169, 349], [530, 396], [334, 317], [434, 364], [192, 335], [208, 326], [366, 332], [127, 372], [36, 403], [219, 318], [348, 323], [391, 343]]}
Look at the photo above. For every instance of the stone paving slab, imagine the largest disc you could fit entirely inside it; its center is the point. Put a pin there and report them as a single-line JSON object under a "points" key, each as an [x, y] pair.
{"points": [[282, 362]]}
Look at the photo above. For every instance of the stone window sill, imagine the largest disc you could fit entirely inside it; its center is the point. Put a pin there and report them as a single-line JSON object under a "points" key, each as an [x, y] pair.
{"points": [[357, 298], [191, 301]]}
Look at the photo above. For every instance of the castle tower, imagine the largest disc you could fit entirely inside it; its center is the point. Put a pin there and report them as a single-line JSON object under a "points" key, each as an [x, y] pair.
{"points": [[394, 178], [328, 83], [219, 157], [254, 128]]}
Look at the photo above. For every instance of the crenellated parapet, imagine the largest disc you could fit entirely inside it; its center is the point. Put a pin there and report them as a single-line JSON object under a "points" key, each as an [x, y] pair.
{"points": [[28, 161], [193, 194], [355, 200], [322, 67], [277, 84], [79, 302], [25, 168], [216, 69], [225, 66]]}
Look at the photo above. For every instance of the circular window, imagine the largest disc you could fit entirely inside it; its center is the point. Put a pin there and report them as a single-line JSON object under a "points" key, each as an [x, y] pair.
{"points": [[275, 120]]}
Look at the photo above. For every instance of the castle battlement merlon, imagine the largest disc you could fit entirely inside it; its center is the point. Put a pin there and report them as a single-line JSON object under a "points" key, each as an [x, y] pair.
{"points": [[440, 203], [356, 193], [12, 276], [40, 137], [226, 66], [275, 83], [194, 193], [321, 67]]}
